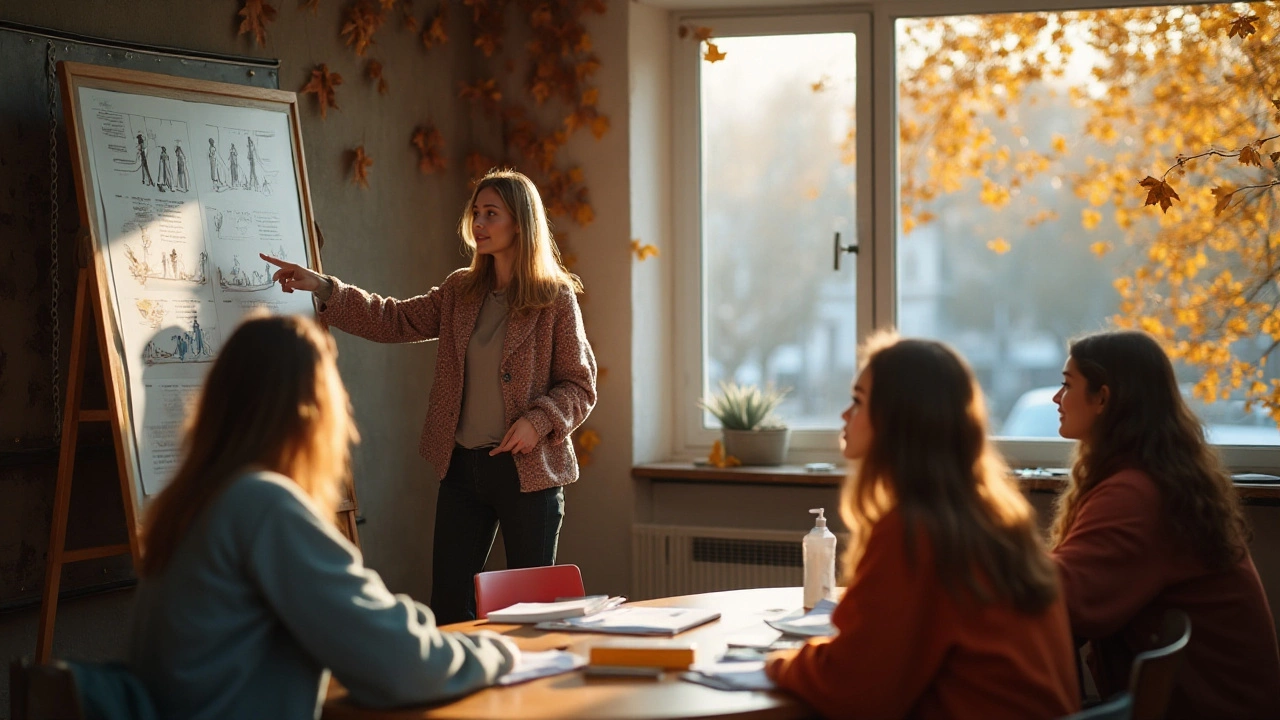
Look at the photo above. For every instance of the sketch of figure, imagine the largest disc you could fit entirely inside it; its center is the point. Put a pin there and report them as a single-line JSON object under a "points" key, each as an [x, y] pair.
{"points": [[235, 167], [197, 337], [166, 172], [164, 260], [180, 345], [173, 262], [142, 156], [214, 161], [252, 152], [180, 158]]}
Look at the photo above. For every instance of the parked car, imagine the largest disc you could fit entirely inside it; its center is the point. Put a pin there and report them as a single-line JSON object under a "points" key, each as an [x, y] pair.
{"points": [[1035, 415]]}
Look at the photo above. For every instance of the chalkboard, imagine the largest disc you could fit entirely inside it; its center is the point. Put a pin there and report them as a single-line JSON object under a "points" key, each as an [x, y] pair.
{"points": [[38, 265]]}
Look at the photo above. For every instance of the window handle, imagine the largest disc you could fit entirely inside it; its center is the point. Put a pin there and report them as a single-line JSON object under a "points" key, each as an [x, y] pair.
{"points": [[842, 249]]}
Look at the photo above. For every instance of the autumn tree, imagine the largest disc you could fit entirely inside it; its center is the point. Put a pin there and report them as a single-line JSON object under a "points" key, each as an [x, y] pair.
{"points": [[1183, 98]]}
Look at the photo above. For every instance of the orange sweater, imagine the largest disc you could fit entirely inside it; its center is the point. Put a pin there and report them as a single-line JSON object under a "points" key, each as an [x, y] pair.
{"points": [[906, 648], [1121, 569]]}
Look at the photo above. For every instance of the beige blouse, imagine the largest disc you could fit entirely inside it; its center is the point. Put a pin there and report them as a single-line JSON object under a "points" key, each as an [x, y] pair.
{"points": [[483, 419]]}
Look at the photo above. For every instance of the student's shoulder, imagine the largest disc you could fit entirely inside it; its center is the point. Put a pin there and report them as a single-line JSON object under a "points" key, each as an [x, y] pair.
{"points": [[255, 496], [1127, 486]]}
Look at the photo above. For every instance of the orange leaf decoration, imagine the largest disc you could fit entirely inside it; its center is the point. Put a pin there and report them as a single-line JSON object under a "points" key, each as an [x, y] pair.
{"points": [[430, 146], [588, 440], [590, 97], [410, 21], [388, 4], [1159, 193], [600, 126], [717, 458], [322, 85], [374, 71], [583, 214], [360, 164], [363, 20], [478, 164], [1243, 26], [311, 5], [1249, 155], [436, 34], [256, 14], [486, 91], [642, 251], [1224, 195], [713, 53]]}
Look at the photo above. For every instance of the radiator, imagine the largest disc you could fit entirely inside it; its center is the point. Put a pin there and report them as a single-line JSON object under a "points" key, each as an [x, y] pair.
{"points": [[669, 560]]}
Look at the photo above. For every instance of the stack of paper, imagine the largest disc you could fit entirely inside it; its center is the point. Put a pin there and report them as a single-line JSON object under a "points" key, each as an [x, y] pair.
{"points": [[815, 623], [635, 620], [730, 676], [533, 612], [534, 665]]}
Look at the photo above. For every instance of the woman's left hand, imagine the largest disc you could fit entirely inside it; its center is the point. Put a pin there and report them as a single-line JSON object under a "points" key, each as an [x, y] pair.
{"points": [[520, 439]]}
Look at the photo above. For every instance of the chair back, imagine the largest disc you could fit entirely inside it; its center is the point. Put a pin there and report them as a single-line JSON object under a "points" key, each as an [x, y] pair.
{"points": [[500, 588], [1119, 707], [43, 692], [1154, 672]]}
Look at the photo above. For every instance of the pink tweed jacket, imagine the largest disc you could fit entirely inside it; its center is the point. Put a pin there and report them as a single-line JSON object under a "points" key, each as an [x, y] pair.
{"points": [[549, 370]]}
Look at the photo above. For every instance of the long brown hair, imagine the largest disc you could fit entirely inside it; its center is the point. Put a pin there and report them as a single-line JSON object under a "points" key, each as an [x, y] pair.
{"points": [[538, 276], [930, 458], [273, 400], [1146, 425]]}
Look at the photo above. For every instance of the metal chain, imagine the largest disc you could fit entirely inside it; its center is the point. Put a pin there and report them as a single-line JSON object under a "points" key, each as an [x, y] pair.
{"points": [[52, 83]]}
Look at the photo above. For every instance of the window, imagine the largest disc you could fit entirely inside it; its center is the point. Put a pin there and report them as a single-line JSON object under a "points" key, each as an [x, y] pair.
{"points": [[776, 179], [987, 168]]}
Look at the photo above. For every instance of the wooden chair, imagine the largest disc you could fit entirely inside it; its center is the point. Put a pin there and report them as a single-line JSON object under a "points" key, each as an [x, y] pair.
{"points": [[1119, 707], [43, 692], [500, 588], [1154, 671]]}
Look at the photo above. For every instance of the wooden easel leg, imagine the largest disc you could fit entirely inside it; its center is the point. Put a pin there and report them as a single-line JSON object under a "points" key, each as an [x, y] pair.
{"points": [[66, 469]]}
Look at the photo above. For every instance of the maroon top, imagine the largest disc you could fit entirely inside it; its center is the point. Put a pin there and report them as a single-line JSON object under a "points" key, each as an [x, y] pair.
{"points": [[908, 649], [1121, 569], [549, 371]]}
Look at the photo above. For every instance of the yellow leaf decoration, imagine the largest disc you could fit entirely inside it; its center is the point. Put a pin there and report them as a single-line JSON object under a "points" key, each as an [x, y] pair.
{"points": [[643, 251], [713, 53], [717, 458], [1100, 248], [1090, 219], [999, 246], [588, 440]]}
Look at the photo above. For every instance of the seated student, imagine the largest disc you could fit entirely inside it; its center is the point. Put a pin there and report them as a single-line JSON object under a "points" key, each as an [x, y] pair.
{"points": [[952, 608], [248, 594], [1150, 521]]}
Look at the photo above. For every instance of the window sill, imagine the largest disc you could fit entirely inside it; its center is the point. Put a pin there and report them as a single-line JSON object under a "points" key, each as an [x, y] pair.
{"points": [[798, 476]]}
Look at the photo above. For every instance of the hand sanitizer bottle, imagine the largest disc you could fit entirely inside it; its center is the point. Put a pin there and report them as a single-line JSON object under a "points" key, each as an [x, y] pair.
{"points": [[819, 561]]}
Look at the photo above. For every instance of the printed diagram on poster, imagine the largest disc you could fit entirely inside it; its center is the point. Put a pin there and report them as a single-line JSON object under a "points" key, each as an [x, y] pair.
{"points": [[187, 194]]}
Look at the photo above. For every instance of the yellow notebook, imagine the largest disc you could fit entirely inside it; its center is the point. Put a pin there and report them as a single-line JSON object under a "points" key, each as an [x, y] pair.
{"points": [[632, 652]]}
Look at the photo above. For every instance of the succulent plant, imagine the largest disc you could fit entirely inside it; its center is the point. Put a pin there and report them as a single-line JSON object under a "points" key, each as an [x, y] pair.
{"points": [[745, 407]]}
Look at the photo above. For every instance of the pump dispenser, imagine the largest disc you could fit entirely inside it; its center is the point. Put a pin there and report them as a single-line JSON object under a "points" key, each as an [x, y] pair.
{"points": [[819, 561]]}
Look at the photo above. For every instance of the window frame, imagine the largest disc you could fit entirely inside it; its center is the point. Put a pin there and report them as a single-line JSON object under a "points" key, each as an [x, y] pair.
{"points": [[875, 25], [690, 291]]}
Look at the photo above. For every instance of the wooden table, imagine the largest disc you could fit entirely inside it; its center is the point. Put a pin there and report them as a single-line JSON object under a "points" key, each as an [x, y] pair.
{"points": [[574, 696]]}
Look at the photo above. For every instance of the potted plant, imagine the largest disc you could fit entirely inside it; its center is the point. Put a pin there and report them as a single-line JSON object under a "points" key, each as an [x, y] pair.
{"points": [[751, 432]]}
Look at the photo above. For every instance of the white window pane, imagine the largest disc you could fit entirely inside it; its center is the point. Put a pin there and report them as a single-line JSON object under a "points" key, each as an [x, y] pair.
{"points": [[1022, 223], [777, 164]]}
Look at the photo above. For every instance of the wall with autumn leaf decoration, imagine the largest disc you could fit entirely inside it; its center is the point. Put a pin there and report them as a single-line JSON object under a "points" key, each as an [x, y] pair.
{"points": [[389, 163]]}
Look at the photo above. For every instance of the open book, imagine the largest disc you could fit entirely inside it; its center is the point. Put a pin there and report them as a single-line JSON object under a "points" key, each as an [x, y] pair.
{"points": [[635, 620], [534, 612]]}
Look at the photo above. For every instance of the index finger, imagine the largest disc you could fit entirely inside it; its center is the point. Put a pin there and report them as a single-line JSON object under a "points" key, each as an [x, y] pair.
{"points": [[275, 261]]}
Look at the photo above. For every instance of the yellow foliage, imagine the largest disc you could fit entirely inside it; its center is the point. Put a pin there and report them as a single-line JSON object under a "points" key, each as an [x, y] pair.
{"points": [[998, 246], [1100, 248], [717, 458], [1090, 219]]}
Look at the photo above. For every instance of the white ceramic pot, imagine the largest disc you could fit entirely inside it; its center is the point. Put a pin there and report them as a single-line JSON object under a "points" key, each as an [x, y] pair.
{"points": [[758, 447]]}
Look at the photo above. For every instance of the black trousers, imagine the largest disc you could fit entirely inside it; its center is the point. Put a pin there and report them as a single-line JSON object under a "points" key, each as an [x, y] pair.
{"points": [[478, 494]]}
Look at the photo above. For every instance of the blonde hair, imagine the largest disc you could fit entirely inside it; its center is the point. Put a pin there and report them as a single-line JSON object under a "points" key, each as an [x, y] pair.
{"points": [[930, 459], [273, 400], [539, 276]]}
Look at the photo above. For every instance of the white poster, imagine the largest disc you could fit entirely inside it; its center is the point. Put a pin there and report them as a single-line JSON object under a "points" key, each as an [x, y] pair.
{"points": [[188, 194]]}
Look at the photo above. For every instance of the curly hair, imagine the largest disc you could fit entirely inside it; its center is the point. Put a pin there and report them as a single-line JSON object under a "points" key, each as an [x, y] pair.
{"points": [[1146, 425]]}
